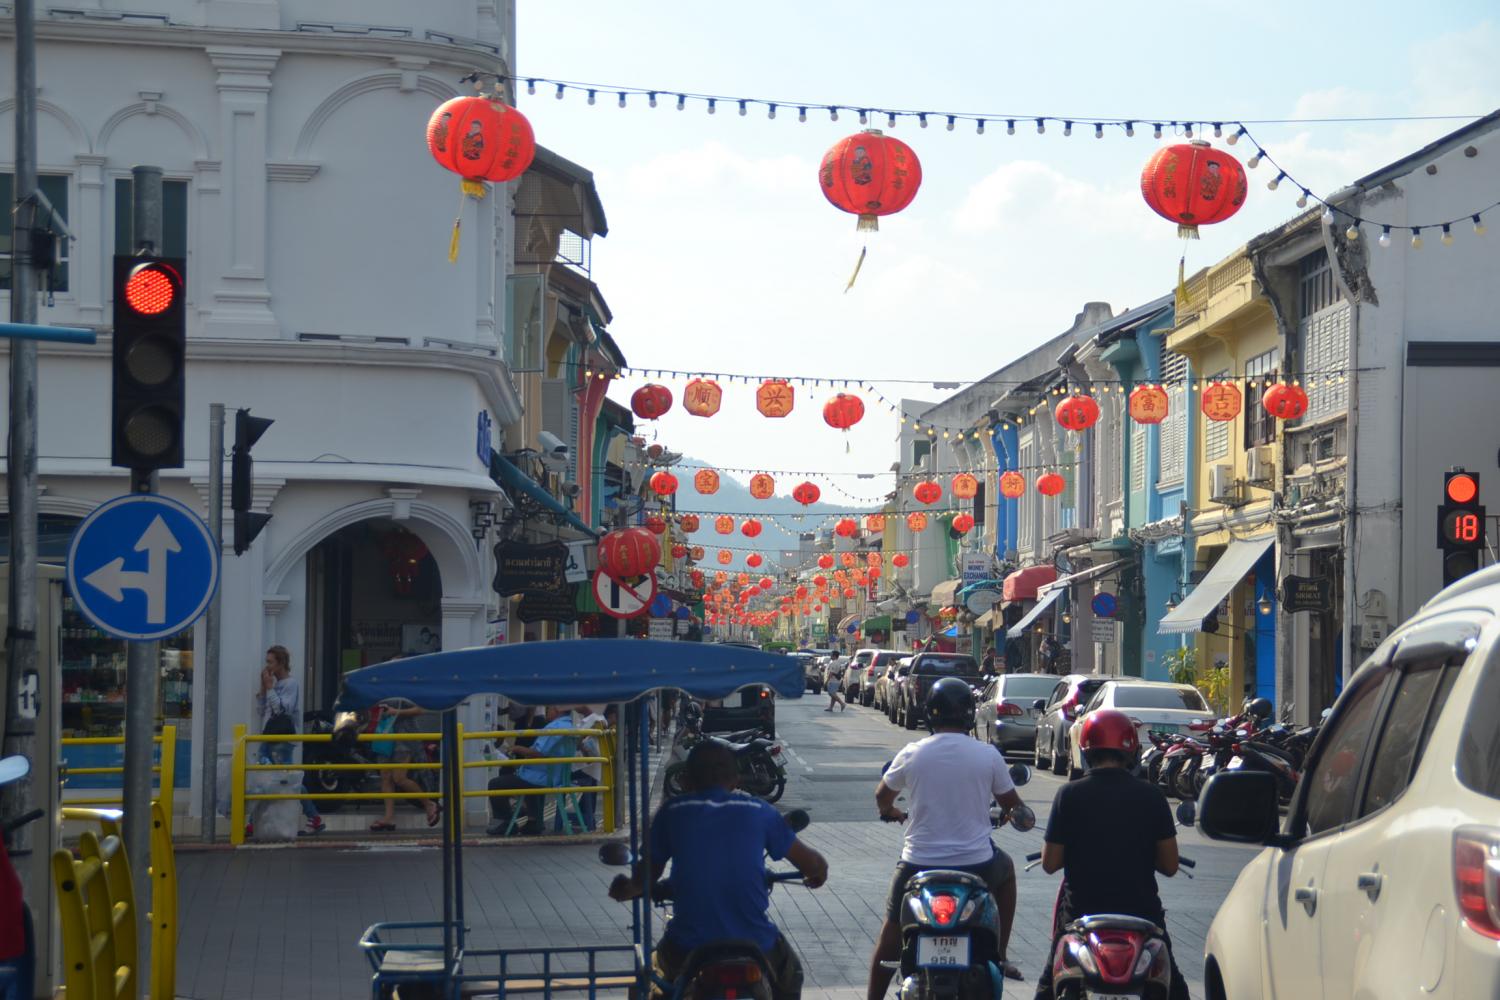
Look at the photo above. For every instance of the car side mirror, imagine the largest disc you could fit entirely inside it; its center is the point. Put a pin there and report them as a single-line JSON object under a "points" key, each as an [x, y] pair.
{"points": [[1039, 705], [798, 820], [1240, 806], [1020, 774], [616, 855]]}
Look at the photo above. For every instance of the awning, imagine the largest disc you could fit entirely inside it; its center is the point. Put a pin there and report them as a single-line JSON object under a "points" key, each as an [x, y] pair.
{"points": [[880, 623], [1019, 628], [1237, 560], [846, 621], [987, 620], [945, 594], [1023, 583], [513, 478], [951, 632], [1083, 576]]}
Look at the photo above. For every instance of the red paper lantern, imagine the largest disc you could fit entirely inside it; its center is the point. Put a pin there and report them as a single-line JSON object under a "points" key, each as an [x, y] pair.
{"points": [[753, 560], [801, 593], [690, 523], [663, 483], [964, 486], [650, 401], [751, 528], [843, 411], [702, 397], [872, 558], [875, 523], [1193, 184], [1221, 401], [762, 486], [847, 558], [679, 551], [900, 560], [1012, 484], [629, 552], [963, 523], [775, 398], [1077, 413], [927, 491], [870, 175], [1148, 404], [806, 494], [766, 583], [724, 524], [1050, 484], [1285, 402], [820, 581], [824, 562], [846, 527], [874, 572], [917, 521], [697, 579], [480, 139], [720, 576], [656, 524], [698, 553], [848, 593], [706, 481], [725, 557]]}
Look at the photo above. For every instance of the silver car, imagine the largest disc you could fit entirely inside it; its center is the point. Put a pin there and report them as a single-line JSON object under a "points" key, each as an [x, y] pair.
{"points": [[1007, 712]]}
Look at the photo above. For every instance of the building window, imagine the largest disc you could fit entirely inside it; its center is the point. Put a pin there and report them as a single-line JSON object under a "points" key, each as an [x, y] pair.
{"points": [[1260, 426], [920, 451], [1216, 432], [1026, 453], [525, 305], [174, 227], [1316, 289], [1137, 456], [1173, 462], [55, 187], [1323, 321]]}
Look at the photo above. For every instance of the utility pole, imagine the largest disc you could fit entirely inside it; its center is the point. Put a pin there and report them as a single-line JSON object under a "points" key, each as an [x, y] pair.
{"points": [[209, 712]]}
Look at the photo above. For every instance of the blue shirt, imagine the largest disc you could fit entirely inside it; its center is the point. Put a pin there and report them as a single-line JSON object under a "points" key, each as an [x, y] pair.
{"points": [[717, 842], [549, 746]]}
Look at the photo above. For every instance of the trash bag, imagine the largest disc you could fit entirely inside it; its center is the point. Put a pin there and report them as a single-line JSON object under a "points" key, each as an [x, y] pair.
{"points": [[277, 819]]}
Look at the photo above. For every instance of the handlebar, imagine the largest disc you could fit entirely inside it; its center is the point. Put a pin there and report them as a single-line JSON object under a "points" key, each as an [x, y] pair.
{"points": [[12, 825]]}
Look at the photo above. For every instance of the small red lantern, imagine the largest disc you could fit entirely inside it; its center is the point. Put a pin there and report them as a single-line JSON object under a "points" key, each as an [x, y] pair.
{"points": [[848, 593], [629, 552], [820, 581], [874, 573], [766, 583], [1221, 401], [846, 527], [697, 578], [690, 523], [663, 483], [872, 558], [1285, 402], [801, 593], [720, 576], [679, 551], [724, 524], [847, 558], [753, 560], [964, 486], [702, 397], [900, 560], [650, 401], [1193, 184], [927, 492], [843, 411], [1148, 404], [963, 523], [656, 524], [875, 524], [698, 553], [751, 528], [1050, 484], [917, 521], [1077, 413], [870, 175], [806, 494], [725, 557], [775, 398], [706, 481], [824, 562], [762, 486], [1012, 484]]}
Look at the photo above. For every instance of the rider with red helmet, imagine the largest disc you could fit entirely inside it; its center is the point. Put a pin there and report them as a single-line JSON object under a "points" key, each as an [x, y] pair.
{"points": [[1110, 833]]}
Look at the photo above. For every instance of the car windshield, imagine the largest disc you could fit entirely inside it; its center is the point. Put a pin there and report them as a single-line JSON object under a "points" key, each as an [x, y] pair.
{"points": [[1027, 686], [964, 666], [881, 659], [1141, 696]]}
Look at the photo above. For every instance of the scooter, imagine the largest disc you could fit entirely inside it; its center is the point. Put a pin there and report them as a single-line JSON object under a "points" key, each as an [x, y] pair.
{"points": [[343, 749]]}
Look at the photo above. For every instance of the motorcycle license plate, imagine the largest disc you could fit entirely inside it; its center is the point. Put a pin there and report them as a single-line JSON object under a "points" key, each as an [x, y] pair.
{"points": [[779, 758], [943, 952]]}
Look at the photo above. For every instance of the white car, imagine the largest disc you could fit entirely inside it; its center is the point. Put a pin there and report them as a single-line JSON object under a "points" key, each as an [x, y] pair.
{"points": [[1168, 708], [1384, 880]]}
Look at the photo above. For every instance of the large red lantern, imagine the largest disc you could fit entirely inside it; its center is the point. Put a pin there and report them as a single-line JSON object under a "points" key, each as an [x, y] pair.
{"points": [[1193, 184], [706, 481], [751, 528], [650, 401], [698, 553], [900, 560], [656, 524], [1221, 401], [724, 524], [1050, 484], [690, 523], [927, 492], [963, 523], [629, 552], [753, 560], [824, 562], [843, 411], [875, 523], [1148, 404], [917, 521], [725, 557], [964, 486], [848, 593], [762, 486], [846, 527], [874, 573], [806, 494], [801, 593], [1077, 413], [480, 139], [775, 398], [1012, 484], [1285, 402], [663, 483], [702, 397], [870, 175]]}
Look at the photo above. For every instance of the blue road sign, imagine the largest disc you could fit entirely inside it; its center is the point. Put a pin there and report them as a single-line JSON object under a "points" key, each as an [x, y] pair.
{"points": [[1104, 604], [142, 567]]}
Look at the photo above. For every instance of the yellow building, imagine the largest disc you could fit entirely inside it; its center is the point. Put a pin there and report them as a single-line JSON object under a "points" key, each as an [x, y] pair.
{"points": [[1226, 332]]}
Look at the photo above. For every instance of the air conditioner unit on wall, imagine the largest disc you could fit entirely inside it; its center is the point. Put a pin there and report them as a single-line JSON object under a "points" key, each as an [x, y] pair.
{"points": [[1222, 487], [1260, 467]]}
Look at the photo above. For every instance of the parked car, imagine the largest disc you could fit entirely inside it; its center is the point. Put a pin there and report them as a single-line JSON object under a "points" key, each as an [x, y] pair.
{"points": [[1384, 879], [880, 660], [854, 674], [1007, 713], [886, 683], [806, 658], [926, 670], [1056, 714], [813, 668], [1151, 705]]}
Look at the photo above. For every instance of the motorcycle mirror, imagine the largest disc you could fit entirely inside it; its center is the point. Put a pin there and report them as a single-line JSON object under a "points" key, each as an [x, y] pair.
{"points": [[798, 820], [1023, 818], [13, 768], [1187, 813], [1325, 714], [1020, 774], [1242, 732], [616, 855]]}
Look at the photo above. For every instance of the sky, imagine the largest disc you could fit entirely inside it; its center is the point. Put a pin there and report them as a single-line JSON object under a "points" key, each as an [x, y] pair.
{"points": [[723, 255]]}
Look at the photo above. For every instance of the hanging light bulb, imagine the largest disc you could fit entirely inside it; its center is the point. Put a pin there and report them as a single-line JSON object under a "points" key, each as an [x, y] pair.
{"points": [[713, 105], [651, 98], [1188, 131], [1447, 237], [1478, 226], [743, 109], [802, 114], [1098, 130], [1130, 130], [560, 89], [979, 127], [1416, 238], [531, 86], [1352, 233], [1156, 130], [1327, 217], [890, 121], [1234, 138], [771, 111], [833, 114], [1302, 198], [681, 102], [1067, 128], [1254, 161], [622, 98], [1218, 129], [592, 95], [1275, 182], [1010, 129], [864, 118], [951, 120], [1385, 236], [1041, 126], [922, 120]]}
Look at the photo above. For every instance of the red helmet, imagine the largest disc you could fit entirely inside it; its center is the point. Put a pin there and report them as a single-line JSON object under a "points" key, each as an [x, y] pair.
{"points": [[1107, 729]]}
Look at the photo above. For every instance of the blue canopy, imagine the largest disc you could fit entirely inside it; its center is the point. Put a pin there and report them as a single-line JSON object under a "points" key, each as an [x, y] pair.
{"points": [[571, 672], [513, 478]]}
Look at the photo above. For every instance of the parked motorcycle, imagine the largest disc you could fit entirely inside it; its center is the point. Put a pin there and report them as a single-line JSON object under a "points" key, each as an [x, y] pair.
{"points": [[343, 749], [762, 766]]}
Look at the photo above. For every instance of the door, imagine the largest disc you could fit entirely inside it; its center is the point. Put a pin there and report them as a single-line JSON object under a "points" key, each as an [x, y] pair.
{"points": [[985, 717], [1324, 801], [1052, 717]]}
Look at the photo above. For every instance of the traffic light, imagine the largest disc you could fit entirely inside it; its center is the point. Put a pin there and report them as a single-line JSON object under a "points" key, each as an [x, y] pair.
{"points": [[247, 523], [149, 356], [1460, 524]]}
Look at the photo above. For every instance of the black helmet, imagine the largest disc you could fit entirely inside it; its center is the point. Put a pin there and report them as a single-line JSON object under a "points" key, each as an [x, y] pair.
{"points": [[1260, 708], [951, 703]]}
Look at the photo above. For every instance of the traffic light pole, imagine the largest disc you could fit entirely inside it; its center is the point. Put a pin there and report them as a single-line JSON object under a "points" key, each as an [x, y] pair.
{"points": [[209, 711]]}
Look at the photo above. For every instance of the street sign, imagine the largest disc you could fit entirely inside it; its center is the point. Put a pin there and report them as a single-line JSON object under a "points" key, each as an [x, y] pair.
{"points": [[1104, 604], [619, 599], [27, 695], [1103, 630], [976, 567], [578, 561], [1306, 593], [142, 567], [660, 628]]}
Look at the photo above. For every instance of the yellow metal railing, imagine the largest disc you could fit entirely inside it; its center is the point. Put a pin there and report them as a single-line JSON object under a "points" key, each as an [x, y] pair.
{"points": [[240, 768], [166, 767]]}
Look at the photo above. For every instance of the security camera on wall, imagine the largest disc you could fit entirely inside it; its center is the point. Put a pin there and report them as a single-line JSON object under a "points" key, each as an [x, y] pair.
{"points": [[554, 450]]}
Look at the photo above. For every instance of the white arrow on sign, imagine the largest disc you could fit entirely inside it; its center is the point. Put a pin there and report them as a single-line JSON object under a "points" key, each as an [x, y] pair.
{"points": [[113, 579]]}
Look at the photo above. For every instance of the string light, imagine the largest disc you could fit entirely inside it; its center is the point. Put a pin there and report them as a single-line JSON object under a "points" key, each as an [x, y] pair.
{"points": [[531, 87], [1275, 182], [1041, 126], [1067, 128], [771, 111], [622, 98], [1385, 236], [744, 108], [592, 96], [1352, 233], [712, 105], [1416, 238], [1478, 225], [1010, 126], [560, 91], [1156, 131], [1098, 131], [1254, 161], [1302, 198], [864, 119], [922, 120], [979, 126], [802, 114], [681, 102], [1447, 238]]}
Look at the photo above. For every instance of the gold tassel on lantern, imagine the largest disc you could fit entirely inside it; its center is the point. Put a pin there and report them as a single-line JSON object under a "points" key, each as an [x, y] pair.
{"points": [[1182, 292], [868, 224], [1187, 232], [468, 189], [857, 265]]}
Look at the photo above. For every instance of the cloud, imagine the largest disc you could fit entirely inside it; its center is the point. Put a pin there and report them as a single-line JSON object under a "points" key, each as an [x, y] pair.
{"points": [[1024, 194]]}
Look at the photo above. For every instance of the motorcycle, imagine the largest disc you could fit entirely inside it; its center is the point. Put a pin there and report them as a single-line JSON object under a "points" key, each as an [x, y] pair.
{"points": [[762, 766], [343, 749]]}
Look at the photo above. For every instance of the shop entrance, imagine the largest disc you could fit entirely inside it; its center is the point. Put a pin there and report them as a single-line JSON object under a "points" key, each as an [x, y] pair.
{"points": [[1325, 645], [373, 592]]}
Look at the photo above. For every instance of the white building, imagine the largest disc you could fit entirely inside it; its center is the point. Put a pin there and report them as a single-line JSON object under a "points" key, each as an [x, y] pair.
{"points": [[315, 227]]}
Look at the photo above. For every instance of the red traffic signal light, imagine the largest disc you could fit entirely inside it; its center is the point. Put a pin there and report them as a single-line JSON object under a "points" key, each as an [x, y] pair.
{"points": [[1461, 487], [150, 289]]}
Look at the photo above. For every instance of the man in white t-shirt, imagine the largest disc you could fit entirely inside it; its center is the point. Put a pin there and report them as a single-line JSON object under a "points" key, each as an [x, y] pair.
{"points": [[951, 779]]}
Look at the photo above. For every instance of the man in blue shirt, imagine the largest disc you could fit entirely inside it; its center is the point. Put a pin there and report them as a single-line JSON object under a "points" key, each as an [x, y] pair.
{"points": [[531, 775], [717, 840]]}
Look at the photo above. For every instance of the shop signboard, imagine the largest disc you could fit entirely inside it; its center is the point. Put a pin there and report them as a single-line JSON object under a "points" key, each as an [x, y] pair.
{"points": [[820, 630], [549, 606], [980, 600], [976, 567], [1306, 593], [521, 568]]}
